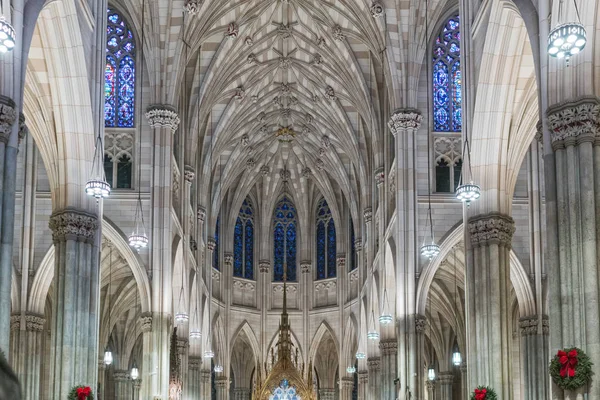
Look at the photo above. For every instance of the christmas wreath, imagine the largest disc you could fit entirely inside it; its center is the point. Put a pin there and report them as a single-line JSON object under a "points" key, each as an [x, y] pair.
{"points": [[81, 393], [571, 368], [484, 393]]}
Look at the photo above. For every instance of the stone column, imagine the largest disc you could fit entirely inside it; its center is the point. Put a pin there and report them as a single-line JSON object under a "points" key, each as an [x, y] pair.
{"points": [[346, 386], [446, 379], [99, 395], [465, 389], [327, 394], [430, 389], [574, 302], [389, 352], [369, 246], [164, 121], [489, 309], [363, 383], [147, 374], [122, 385], [362, 275], [420, 326], [26, 352], [205, 384], [8, 117], [241, 394], [222, 386], [535, 356], [194, 383], [374, 366], [183, 350], [404, 125], [136, 385], [75, 305]]}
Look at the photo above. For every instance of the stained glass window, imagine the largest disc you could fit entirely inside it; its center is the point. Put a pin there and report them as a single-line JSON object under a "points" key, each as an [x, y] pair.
{"points": [[119, 73], [216, 250], [326, 242], [284, 240], [284, 392], [243, 242], [447, 84], [353, 260]]}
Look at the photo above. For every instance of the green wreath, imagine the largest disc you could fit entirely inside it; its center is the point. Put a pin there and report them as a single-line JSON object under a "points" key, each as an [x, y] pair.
{"points": [[87, 393], [484, 393], [571, 368]]}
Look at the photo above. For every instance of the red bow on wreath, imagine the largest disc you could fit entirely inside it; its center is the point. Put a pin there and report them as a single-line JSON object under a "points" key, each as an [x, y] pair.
{"points": [[83, 392], [568, 362], [480, 394]]}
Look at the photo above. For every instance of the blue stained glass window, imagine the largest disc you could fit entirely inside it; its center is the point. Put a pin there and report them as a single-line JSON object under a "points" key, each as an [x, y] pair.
{"points": [[285, 239], [352, 247], [119, 73], [447, 84], [238, 248], [243, 242], [326, 242], [216, 250]]}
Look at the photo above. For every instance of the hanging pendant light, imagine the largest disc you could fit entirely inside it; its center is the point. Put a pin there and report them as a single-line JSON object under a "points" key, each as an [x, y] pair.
{"points": [[360, 355], [385, 318], [97, 186], [7, 36], [467, 192], [456, 356], [218, 368], [209, 354], [431, 372], [567, 39], [373, 334], [195, 334], [108, 357], [181, 317], [351, 369], [135, 373]]}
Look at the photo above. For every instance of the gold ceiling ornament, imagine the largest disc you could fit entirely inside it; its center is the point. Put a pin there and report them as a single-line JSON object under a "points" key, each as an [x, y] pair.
{"points": [[285, 134], [286, 371]]}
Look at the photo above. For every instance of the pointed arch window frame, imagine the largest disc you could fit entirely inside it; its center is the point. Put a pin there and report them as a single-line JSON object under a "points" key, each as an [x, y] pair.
{"points": [[243, 241], [326, 262], [289, 233]]}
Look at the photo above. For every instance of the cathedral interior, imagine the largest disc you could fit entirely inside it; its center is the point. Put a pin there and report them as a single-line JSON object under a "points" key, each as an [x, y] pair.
{"points": [[299, 199]]}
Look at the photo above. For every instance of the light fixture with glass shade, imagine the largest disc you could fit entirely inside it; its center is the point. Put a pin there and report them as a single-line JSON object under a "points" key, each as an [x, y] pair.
{"points": [[456, 356], [373, 334], [135, 373], [181, 317], [218, 368], [385, 318], [195, 334], [431, 372], [360, 355], [209, 354], [567, 39], [7, 36], [351, 369], [467, 191], [108, 357], [97, 186]]}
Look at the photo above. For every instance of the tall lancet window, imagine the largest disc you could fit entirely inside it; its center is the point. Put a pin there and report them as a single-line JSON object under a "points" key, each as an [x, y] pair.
{"points": [[284, 240], [353, 261], [243, 242], [447, 83], [326, 242], [119, 73], [216, 250]]}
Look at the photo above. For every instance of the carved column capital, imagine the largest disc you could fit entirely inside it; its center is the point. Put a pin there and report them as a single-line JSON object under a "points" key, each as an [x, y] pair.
{"points": [[23, 129], [491, 228], [374, 363], [305, 266], [446, 378], [146, 322], [264, 266], [34, 322], [402, 120], [8, 114], [162, 116], [388, 346], [228, 259], [195, 363], [430, 384], [368, 214], [189, 174], [205, 375], [358, 245], [420, 323], [15, 322], [379, 177], [221, 382], [528, 325], [182, 345], [347, 382], [211, 244], [192, 7], [341, 261], [201, 214], [71, 224], [577, 119], [463, 367], [121, 375], [363, 377]]}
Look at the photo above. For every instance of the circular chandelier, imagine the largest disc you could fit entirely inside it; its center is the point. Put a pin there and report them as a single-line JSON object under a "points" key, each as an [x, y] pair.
{"points": [[97, 187], [468, 192], [7, 36], [181, 317], [218, 368], [351, 369], [209, 354], [360, 355], [566, 40], [430, 250], [385, 319], [373, 335], [138, 241], [195, 334]]}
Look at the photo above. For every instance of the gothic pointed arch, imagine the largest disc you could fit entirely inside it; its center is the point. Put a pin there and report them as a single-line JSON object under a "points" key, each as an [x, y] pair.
{"points": [[243, 241], [285, 239]]}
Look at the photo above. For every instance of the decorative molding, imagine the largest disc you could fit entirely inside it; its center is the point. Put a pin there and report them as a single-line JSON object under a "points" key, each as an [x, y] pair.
{"points": [[320, 164], [250, 163], [146, 322], [244, 285], [118, 143], [216, 275], [529, 325], [182, 345], [23, 129], [306, 172], [491, 228], [189, 174], [325, 285], [363, 377], [233, 30], [240, 93], [15, 322], [463, 368], [403, 120], [71, 224], [325, 142], [201, 214], [448, 148], [264, 266], [577, 119], [379, 176], [249, 41], [330, 93], [34, 323], [545, 325], [221, 383], [420, 323], [192, 7], [264, 170], [341, 260], [353, 276], [285, 174], [162, 116], [347, 382], [285, 31], [245, 140], [368, 214], [374, 364], [121, 375], [388, 346], [377, 9], [338, 33], [211, 243], [8, 114], [446, 378], [290, 288], [305, 266], [358, 245], [194, 363]]}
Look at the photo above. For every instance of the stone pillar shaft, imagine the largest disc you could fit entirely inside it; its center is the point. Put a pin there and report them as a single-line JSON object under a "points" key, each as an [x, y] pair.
{"points": [[326, 394], [346, 386], [26, 352], [76, 276], [374, 365], [123, 386], [389, 353], [363, 385], [205, 386], [489, 277], [446, 379], [222, 386], [241, 394], [194, 385]]}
